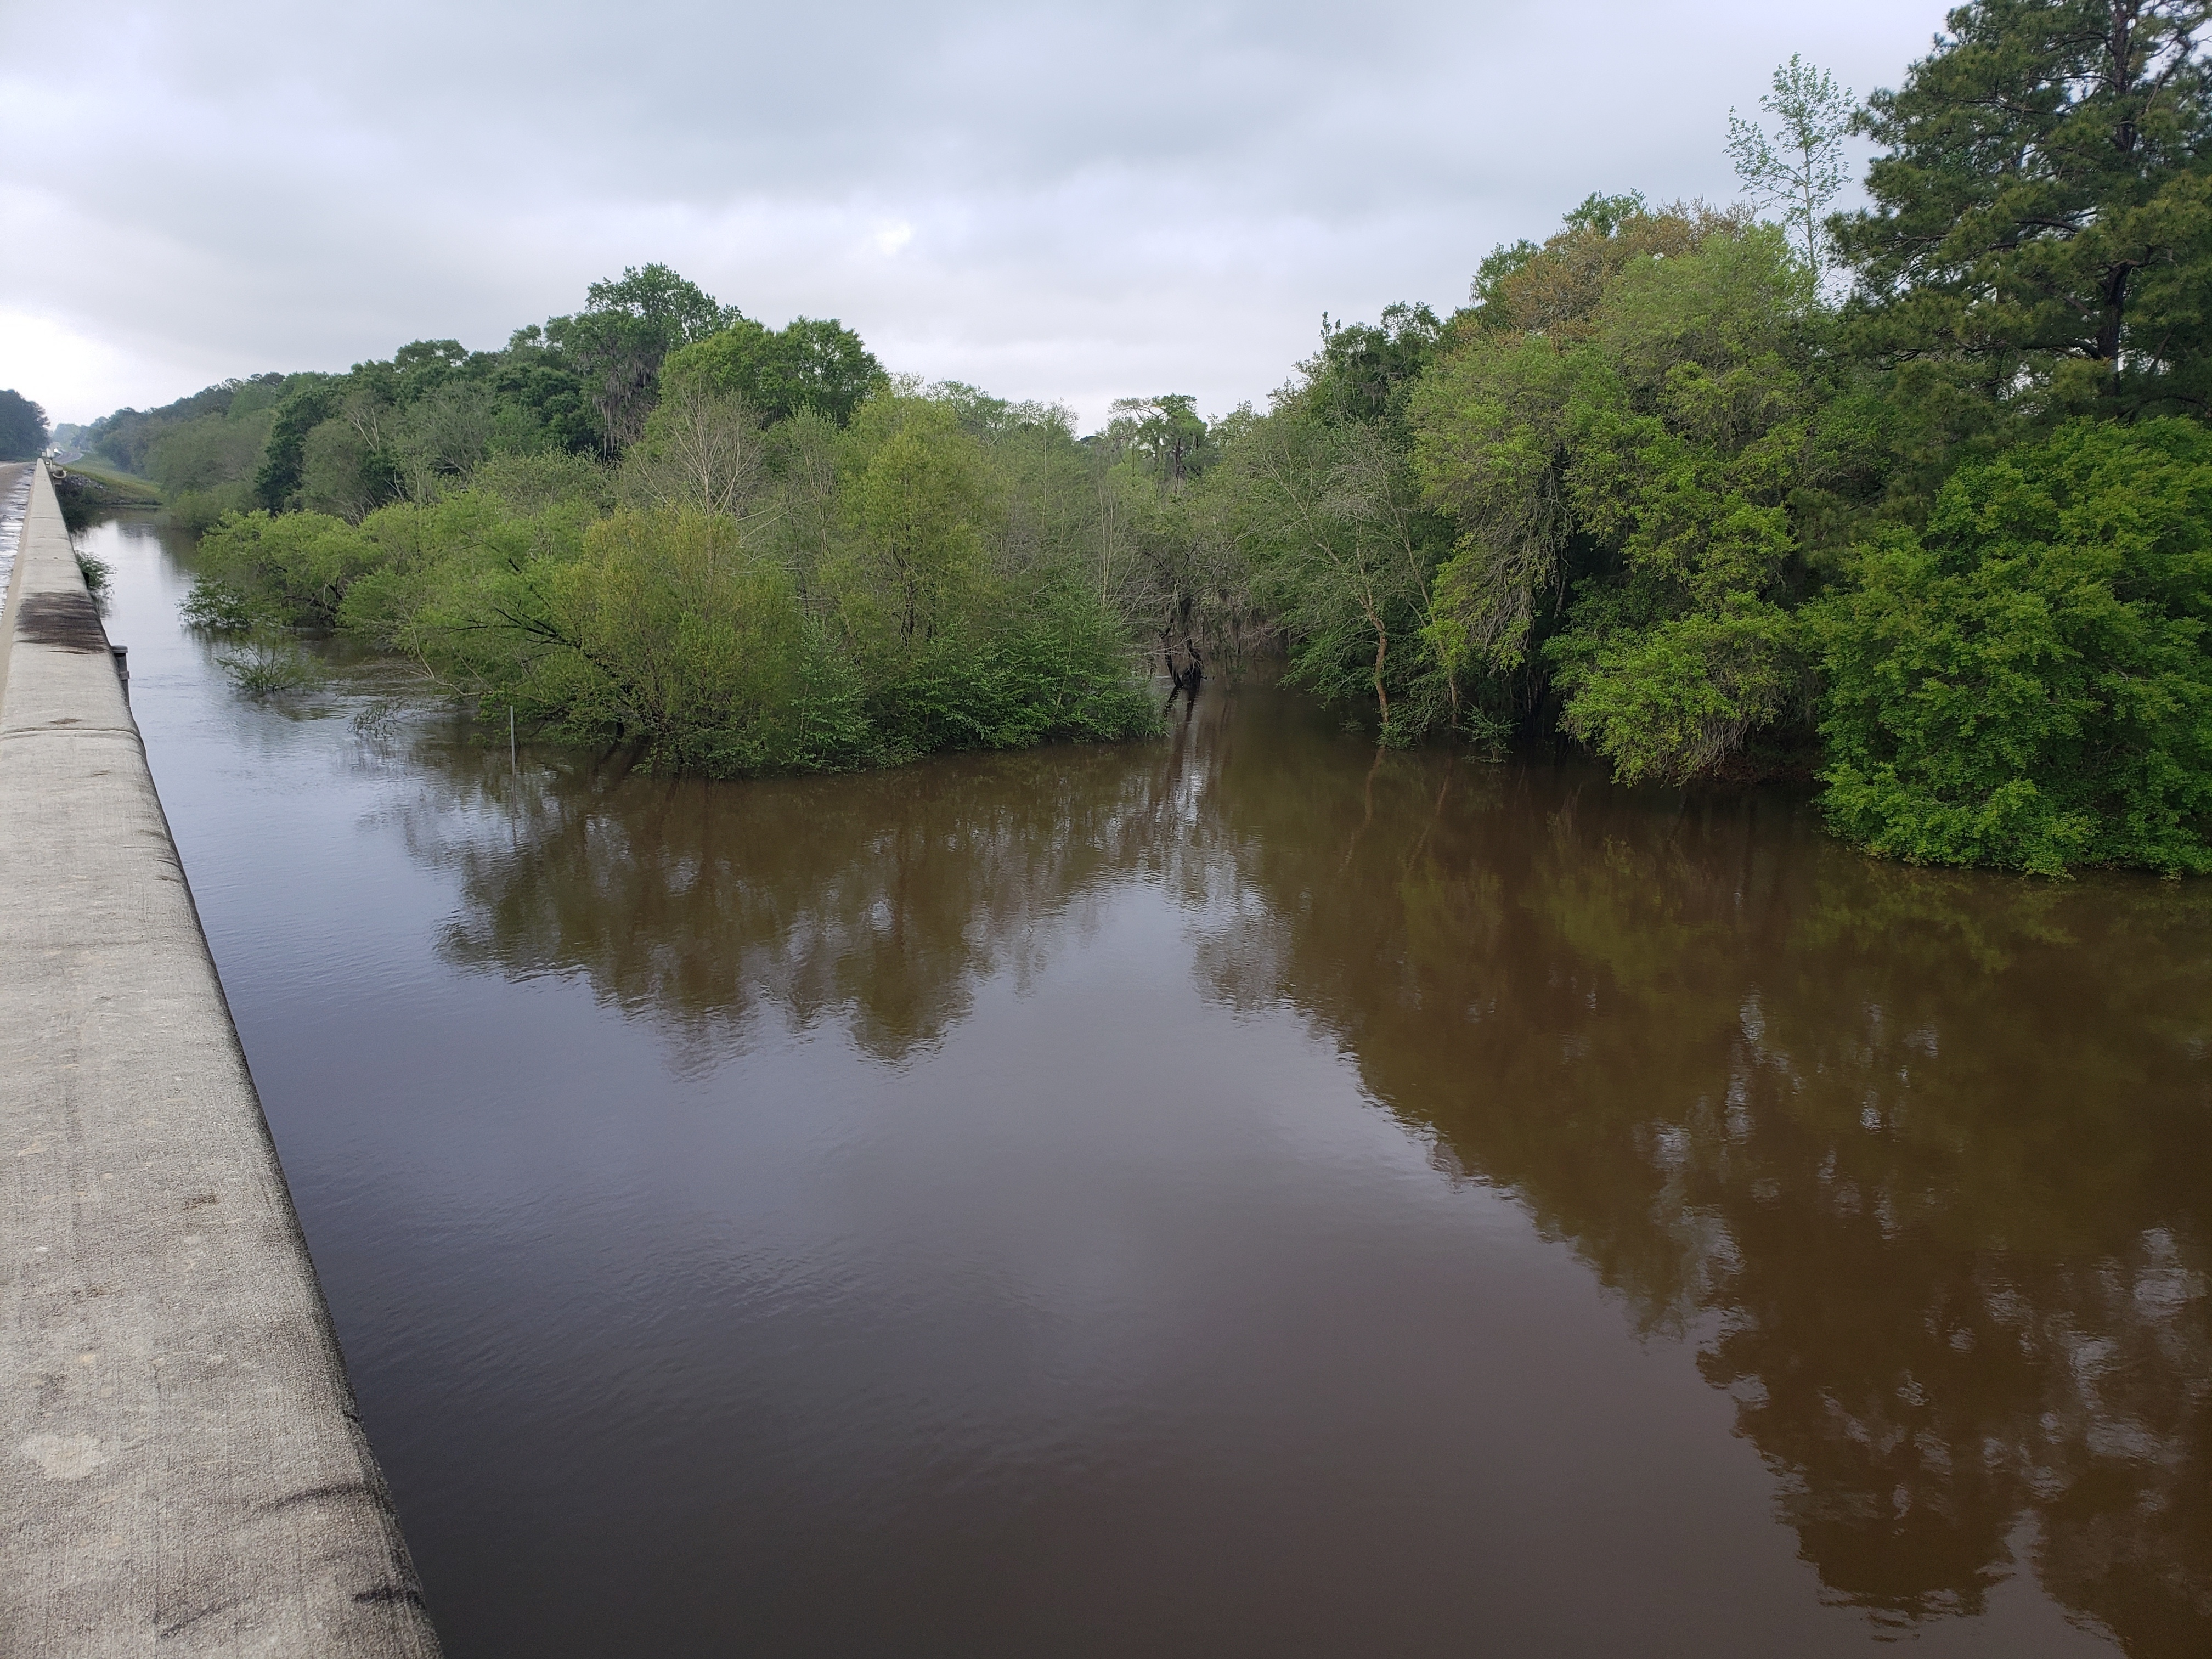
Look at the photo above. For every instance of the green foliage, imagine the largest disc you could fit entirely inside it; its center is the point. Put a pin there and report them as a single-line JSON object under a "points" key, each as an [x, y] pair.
{"points": [[532, 481], [1798, 167], [831, 598], [1653, 489], [306, 406], [123, 437], [675, 633], [23, 428], [209, 450], [292, 568], [617, 342], [1364, 372], [1342, 551], [1165, 434], [1307, 523], [2028, 683], [344, 473], [1058, 673], [202, 450], [1556, 290], [205, 465], [657, 295], [2042, 226], [1676, 699], [267, 662], [1634, 480], [916, 491], [810, 364], [421, 423], [659, 524]]}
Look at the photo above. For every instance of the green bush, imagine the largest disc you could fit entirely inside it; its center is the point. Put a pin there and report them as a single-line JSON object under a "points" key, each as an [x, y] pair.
{"points": [[292, 567], [869, 605], [676, 634], [2027, 683], [1676, 699], [1058, 675], [197, 510]]}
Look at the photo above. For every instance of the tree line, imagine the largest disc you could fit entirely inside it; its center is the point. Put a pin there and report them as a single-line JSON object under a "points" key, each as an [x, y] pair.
{"points": [[23, 431], [1915, 498]]}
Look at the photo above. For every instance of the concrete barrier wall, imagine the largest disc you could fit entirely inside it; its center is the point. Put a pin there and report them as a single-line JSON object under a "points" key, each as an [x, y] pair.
{"points": [[180, 1464]]}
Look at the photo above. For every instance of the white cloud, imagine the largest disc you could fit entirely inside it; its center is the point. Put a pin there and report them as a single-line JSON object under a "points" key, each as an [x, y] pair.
{"points": [[1113, 202]]}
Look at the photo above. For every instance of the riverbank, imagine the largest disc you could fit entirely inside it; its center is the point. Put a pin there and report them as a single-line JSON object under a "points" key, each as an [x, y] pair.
{"points": [[85, 492]]}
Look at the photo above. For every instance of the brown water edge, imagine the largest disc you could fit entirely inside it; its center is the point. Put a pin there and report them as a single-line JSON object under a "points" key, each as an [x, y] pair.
{"points": [[1148, 1199]]}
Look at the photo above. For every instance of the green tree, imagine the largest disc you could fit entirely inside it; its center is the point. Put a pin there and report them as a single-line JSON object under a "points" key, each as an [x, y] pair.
{"points": [[205, 466], [679, 635], [1634, 480], [1800, 167], [2041, 231], [1166, 432], [916, 492], [292, 568], [2028, 683], [655, 294], [306, 406], [344, 471], [23, 428], [1364, 372], [441, 436], [1306, 524], [1554, 290], [618, 341], [1330, 517], [811, 363], [543, 400], [931, 613]]}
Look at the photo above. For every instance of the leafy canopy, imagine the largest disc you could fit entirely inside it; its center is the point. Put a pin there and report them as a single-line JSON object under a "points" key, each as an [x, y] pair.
{"points": [[1633, 446], [2042, 217], [2027, 683], [812, 362], [23, 430]]}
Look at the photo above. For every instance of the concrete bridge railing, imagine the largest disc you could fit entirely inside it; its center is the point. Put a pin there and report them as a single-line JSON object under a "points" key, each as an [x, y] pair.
{"points": [[181, 1468]]}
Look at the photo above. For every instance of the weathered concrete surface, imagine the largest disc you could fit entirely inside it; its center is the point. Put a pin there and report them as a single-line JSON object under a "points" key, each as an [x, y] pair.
{"points": [[180, 1466]]}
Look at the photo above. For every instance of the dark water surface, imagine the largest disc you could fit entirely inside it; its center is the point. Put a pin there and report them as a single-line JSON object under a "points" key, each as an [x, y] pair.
{"points": [[1232, 1195]]}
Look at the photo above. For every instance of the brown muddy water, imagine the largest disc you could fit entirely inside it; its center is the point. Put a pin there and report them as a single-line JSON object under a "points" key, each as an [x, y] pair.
{"points": [[1229, 1195]]}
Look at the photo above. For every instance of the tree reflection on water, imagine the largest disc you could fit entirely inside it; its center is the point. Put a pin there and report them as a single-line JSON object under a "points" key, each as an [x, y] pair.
{"points": [[1916, 1159]]}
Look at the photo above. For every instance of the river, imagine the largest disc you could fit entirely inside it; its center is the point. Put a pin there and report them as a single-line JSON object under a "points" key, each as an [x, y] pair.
{"points": [[1235, 1194]]}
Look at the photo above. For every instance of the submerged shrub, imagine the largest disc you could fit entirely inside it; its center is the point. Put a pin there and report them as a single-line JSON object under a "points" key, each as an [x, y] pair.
{"points": [[1060, 674], [841, 597], [269, 661], [2026, 683], [674, 632]]}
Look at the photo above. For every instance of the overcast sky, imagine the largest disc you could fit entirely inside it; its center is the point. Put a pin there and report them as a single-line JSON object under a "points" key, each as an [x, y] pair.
{"points": [[1074, 204]]}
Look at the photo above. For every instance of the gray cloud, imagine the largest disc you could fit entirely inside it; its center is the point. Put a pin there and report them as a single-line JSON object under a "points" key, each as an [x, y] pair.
{"points": [[1051, 202]]}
